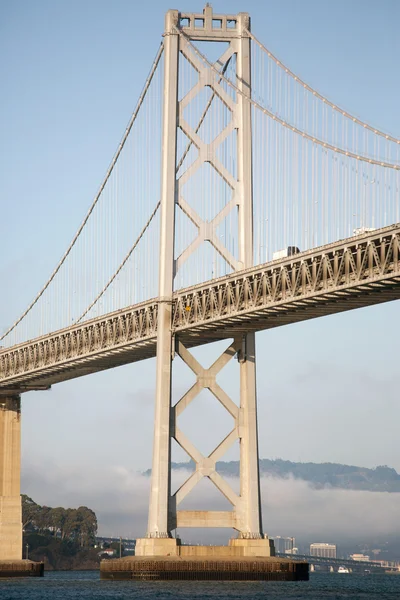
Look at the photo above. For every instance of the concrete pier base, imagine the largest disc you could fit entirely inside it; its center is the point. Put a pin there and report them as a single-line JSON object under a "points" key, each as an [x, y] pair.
{"points": [[157, 547], [252, 547], [204, 568], [21, 568]]}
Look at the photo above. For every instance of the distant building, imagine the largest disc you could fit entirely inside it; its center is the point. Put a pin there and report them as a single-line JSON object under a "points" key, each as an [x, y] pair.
{"points": [[284, 544], [362, 557], [323, 550]]}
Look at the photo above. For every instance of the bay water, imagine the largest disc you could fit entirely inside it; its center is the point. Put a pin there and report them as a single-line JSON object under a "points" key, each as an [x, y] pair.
{"points": [[77, 585]]}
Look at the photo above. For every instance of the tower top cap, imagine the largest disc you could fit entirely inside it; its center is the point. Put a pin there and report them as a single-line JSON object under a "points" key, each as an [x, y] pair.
{"points": [[208, 26]]}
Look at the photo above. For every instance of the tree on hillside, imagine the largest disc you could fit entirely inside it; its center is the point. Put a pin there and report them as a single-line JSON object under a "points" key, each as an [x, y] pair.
{"points": [[29, 511], [43, 519], [58, 518], [79, 525], [71, 525], [87, 525]]}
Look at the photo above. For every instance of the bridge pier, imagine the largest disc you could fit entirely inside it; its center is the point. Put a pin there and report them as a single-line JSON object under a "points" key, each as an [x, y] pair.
{"points": [[245, 516], [10, 472], [248, 436]]}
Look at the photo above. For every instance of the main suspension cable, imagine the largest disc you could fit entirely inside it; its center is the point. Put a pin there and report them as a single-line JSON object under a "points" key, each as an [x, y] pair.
{"points": [[97, 197], [320, 96], [305, 135]]}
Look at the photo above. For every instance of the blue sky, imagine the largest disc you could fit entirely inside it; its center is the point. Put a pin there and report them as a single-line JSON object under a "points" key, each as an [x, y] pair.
{"points": [[71, 73]]}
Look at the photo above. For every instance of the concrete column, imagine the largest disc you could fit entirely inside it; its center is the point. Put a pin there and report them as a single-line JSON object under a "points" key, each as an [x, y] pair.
{"points": [[158, 526], [249, 470], [244, 145], [10, 474]]}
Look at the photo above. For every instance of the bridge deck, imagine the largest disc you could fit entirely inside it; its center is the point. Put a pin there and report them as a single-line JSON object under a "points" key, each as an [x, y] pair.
{"points": [[352, 273]]}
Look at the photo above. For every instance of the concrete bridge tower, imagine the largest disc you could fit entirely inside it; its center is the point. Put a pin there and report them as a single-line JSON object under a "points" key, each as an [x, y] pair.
{"points": [[245, 516], [10, 473]]}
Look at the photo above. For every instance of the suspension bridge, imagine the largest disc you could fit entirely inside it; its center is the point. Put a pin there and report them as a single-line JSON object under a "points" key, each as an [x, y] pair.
{"points": [[239, 199]]}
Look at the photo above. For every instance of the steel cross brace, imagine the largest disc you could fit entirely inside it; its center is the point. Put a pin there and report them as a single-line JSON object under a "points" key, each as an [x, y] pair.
{"points": [[207, 153], [206, 465]]}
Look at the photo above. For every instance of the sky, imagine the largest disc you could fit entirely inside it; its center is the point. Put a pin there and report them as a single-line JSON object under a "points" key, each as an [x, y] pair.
{"points": [[71, 73]]}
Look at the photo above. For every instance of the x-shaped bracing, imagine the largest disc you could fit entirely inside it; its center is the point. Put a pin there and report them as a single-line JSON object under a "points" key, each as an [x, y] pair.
{"points": [[207, 153], [206, 465]]}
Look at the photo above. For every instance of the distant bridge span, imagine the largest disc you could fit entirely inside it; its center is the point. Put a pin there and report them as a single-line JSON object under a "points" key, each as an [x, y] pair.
{"points": [[352, 273], [358, 566]]}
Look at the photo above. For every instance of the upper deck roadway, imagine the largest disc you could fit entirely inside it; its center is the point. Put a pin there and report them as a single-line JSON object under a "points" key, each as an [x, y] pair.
{"points": [[351, 273]]}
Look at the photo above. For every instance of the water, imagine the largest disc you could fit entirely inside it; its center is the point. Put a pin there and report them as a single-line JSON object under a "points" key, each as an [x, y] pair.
{"points": [[77, 585]]}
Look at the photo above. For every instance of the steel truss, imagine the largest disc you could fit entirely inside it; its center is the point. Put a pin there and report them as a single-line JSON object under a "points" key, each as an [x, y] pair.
{"points": [[339, 270], [348, 274]]}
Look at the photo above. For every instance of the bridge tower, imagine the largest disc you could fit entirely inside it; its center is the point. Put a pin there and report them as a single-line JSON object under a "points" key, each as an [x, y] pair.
{"points": [[164, 515], [10, 468]]}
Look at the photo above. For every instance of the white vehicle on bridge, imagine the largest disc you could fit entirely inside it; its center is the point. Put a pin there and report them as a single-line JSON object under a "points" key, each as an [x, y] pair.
{"points": [[289, 251], [362, 230]]}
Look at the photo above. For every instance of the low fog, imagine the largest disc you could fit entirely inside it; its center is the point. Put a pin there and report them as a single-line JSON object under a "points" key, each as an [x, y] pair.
{"points": [[290, 507]]}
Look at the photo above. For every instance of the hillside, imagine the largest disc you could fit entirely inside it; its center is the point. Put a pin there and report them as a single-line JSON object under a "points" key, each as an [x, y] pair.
{"points": [[60, 555], [319, 475], [63, 538]]}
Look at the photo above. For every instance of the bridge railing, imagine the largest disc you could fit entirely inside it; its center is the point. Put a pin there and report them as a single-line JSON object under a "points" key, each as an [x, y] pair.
{"points": [[354, 272], [357, 260]]}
